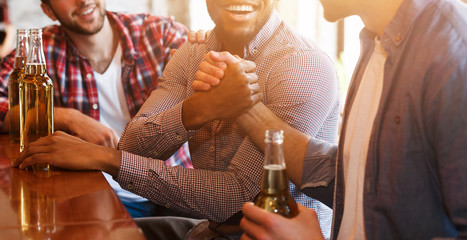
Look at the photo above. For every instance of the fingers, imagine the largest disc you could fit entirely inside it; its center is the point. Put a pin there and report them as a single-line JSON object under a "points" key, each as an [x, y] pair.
{"points": [[212, 70], [201, 36], [254, 213], [251, 229], [252, 221], [198, 37], [248, 66], [192, 36], [200, 86], [30, 155], [35, 159]]}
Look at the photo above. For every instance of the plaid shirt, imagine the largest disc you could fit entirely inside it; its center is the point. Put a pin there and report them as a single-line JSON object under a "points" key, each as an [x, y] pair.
{"points": [[227, 165], [146, 42]]}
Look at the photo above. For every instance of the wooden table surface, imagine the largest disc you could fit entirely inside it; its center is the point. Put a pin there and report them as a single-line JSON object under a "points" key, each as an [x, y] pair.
{"points": [[59, 204]]}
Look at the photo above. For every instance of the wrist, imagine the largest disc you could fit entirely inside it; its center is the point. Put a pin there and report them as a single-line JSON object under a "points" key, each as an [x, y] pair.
{"points": [[194, 113], [111, 161]]}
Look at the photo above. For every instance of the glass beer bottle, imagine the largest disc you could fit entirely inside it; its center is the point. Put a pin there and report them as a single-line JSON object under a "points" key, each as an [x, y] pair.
{"points": [[13, 82], [36, 96], [275, 196]]}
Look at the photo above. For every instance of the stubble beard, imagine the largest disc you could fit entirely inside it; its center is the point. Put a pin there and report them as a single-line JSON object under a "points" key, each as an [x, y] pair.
{"points": [[77, 28]]}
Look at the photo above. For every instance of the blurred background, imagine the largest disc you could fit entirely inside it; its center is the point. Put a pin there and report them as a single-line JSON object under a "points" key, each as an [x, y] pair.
{"points": [[339, 40]]}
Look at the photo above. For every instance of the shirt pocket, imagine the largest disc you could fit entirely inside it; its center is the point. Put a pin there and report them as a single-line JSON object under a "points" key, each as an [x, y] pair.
{"points": [[401, 160]]}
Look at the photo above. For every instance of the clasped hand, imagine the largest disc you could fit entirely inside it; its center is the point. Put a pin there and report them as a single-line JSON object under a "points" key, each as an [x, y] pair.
{"points": [[227, 84]]}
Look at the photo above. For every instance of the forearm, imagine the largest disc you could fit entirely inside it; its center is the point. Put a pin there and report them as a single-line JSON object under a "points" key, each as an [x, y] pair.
{"points": [[260, 118], [194, 113], [155, 135], [64, 118], [194, 191]]}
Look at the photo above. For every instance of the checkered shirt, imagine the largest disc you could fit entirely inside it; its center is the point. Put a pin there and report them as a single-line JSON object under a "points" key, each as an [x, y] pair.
{"points": [[298, 83], [146, 42]]}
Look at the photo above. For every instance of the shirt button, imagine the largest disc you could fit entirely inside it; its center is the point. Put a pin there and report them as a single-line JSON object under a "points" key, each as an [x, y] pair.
{"points": [[212, 148], [130, 186], [95, 106], [179, 138], [88, 76], [155, 153], [397, 120], [255, 51], [167, 205]]}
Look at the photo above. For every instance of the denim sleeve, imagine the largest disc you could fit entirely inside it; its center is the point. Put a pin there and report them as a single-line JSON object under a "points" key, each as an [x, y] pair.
{"points": [[319, 164], [446, 114], [319, 171]]}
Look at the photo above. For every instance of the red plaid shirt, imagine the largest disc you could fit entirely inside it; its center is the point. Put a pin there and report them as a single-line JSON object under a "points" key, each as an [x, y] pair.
{"points": [[146, 42]]}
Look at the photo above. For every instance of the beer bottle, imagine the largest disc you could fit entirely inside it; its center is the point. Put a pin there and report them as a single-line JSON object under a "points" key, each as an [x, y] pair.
{"points": [[13, 82], [36, 96], [275, 196]]}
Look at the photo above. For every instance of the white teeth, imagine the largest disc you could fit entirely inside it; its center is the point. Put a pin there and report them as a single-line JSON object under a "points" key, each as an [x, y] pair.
{"points": [[88, 11], [240, 8]]}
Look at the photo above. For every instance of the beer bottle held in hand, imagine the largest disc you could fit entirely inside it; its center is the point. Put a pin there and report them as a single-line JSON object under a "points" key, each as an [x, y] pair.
{"points": [[13, 82], [36, 96], [275, 196]]}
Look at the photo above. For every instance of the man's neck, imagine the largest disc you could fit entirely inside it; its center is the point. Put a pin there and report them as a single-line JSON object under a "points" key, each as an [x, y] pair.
{"points": [[99, 48], [378, 14]]}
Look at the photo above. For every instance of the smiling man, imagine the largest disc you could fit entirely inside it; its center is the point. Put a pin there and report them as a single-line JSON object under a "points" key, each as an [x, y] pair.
{"points": [[104, 65], [227, 163]]}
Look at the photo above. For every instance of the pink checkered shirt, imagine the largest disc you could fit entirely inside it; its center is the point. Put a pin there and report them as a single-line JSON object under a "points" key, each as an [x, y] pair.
{"points": [[298, 83]]}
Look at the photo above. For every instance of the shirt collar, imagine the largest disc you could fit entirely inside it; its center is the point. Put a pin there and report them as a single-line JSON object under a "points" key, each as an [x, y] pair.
{"points": [[130, 51], [398, 28], [258, 42]]}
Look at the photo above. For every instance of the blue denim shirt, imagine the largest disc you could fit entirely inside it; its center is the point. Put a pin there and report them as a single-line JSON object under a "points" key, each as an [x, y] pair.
{"points": [[416, 172]]}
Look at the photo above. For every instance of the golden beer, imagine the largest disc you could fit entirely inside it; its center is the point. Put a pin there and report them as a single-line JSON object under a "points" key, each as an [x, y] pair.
{"points": [[13, 83], [36, 97], [275, 196]]}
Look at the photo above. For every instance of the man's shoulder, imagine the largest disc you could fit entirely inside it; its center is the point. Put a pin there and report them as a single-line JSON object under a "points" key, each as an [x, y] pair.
{"points": [[52, 30], [290, 43], [53, 34], [138, 19], [444, 21]]}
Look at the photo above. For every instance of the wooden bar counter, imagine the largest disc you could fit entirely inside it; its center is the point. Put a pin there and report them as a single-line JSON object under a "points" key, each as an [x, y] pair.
{"points": [[59, 204]]}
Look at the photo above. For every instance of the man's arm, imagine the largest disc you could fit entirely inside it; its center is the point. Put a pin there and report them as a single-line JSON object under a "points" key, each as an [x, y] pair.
{"points": [[75, 122], [259, 119], [319, 156], [155, 131], [68, 152], [446, 126]]}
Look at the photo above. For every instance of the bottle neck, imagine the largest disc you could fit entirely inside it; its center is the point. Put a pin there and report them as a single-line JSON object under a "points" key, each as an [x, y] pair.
{"points": [[21, 49], [20, 63], [273, 154], [36, 60]]}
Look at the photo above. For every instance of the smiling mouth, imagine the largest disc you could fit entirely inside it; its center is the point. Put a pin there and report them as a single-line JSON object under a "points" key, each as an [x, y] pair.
{"points": [[87, 12], [240, 9]]}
